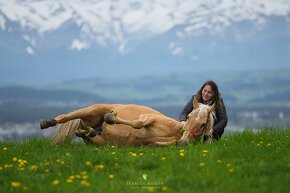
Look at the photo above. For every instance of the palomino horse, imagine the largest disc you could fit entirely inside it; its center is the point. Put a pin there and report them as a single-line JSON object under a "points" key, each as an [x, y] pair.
{"points": [[132, 125]]}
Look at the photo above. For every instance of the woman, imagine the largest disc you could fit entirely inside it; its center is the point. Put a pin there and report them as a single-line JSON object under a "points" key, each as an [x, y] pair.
{"points": [[209, 94]]}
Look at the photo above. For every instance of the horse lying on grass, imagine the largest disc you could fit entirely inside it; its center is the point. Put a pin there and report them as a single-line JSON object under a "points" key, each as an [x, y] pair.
{"points": [[132, 125]]}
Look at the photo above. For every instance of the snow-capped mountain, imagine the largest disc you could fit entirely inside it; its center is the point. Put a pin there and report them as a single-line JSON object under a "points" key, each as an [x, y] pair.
{"points": [[64, 39]]}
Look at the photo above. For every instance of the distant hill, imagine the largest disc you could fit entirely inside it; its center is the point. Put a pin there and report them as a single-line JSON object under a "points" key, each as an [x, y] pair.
{"points": [[23, 104], [254, 87], [258, 95]]}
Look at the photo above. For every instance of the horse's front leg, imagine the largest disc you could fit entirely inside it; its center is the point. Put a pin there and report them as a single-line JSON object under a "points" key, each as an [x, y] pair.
{"points": [[209, 136], [143, 121]]}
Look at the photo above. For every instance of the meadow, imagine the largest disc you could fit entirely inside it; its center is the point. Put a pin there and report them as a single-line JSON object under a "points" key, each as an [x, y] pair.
{"points": [[240, 162]]}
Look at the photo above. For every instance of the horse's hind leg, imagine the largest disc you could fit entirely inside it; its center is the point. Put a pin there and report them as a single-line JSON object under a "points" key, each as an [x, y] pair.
{"points": [[63, 118], [91, 115], [47, 123], [143, 121], [97, 140]]}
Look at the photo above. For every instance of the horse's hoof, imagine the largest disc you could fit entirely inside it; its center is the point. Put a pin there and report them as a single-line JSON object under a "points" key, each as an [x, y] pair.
{"points": [[109, 118], [44, 124], [85, 133]]}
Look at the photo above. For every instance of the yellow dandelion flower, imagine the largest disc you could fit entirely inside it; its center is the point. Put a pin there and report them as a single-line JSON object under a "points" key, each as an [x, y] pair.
{"points": [[164, 188], [68, 154], [14, 159], [1, 168], [5, 148], [113, 153], [22, 161], [84, 173], [163, 158], [8, 166], [55, 182], [71, 177], [134, 154], [181, 154], [34, 167], [85, 183], [218, 161], [113, 146], [88, 163], [84, 177], [228, 165], [46, 163], [151, 189], [77, 176], [100, 166], [69, 181], [204, 154], [181, 150], [231, 170], [205, 151], [15, 184], [25, 188], [111, 176], [201, 164], [60, 161], [141, 154]]}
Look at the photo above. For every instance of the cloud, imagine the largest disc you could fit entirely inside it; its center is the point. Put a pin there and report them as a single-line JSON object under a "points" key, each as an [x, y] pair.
{"points": [[78, 45], [30, 50], [120, 22], [2, 22], [29, 39], [175, 50]]}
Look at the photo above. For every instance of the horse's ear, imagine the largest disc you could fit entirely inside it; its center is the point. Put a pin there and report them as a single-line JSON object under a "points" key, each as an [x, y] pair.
{"points": [[212, 108], [195, 103]]}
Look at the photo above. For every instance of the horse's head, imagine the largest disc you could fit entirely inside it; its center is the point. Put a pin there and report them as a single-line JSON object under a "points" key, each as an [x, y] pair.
{"points": [[199, 122]]}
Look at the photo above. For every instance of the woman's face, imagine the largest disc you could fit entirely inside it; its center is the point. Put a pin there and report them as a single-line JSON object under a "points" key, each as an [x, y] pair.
{"points": [[207, 93]]}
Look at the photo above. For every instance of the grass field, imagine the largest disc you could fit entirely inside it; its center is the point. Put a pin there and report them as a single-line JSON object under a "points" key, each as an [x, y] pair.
{"points": [[240, 162]]}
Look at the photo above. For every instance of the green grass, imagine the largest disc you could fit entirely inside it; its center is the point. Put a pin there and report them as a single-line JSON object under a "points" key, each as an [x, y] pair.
{"points": [[240, 162]]}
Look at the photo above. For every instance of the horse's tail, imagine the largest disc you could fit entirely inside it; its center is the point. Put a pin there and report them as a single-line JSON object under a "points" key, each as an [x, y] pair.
{"points": [[66, 131]]}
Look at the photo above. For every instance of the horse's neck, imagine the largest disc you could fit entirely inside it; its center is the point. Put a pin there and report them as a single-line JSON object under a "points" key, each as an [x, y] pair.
{"points": [[178, 126]]}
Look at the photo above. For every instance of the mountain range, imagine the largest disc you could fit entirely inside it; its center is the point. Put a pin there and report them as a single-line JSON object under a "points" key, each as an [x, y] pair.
{"points": [[46, 42]]}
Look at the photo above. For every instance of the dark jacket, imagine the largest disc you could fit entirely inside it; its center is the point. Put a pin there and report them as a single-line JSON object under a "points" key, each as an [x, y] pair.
{"points": [[221, 116]]}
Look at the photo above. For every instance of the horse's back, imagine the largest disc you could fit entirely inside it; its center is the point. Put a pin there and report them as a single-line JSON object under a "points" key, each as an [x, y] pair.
{"points": [[132, 112]]}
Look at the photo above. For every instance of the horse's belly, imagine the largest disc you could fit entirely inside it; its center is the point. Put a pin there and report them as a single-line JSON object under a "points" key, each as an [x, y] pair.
{"points": [[118, 134], [127, 135]]}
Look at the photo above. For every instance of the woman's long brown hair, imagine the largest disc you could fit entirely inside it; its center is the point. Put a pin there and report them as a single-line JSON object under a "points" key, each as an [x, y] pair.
{"points": [[216, 94]]}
